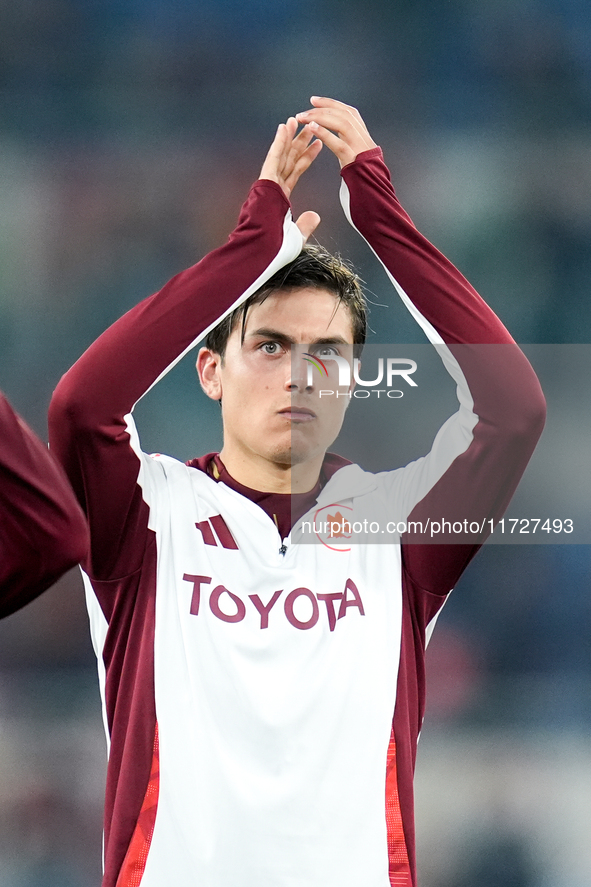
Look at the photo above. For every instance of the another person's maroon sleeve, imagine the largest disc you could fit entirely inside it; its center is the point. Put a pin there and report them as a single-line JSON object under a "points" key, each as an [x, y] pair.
{"points": [[43, 532]]}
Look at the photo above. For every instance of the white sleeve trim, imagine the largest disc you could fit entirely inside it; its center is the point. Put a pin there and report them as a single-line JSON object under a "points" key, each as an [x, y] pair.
{"points": [[456, 435], [291, 247]]}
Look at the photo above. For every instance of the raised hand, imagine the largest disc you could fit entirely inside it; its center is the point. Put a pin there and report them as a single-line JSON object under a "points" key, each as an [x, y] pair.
{"points": [[339, 126], [289, 156]]}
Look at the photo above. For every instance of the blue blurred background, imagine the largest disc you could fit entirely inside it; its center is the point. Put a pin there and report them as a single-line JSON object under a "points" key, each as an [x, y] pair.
{"points": [[130, 131]]}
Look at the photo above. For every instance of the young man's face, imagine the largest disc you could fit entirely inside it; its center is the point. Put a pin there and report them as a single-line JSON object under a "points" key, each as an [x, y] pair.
{"points": [[270, 412]]}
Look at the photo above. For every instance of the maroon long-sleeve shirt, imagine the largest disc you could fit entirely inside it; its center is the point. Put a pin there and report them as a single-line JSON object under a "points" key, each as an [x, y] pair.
{"points": [[43, 530], [183, 706]]}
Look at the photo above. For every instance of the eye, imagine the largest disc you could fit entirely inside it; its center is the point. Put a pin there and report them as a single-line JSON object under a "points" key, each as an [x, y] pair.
{"points": [[271, 347], [326, 351]]}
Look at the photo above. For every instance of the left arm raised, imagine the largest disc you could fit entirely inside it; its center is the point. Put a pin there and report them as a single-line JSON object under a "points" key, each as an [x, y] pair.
{"points": [[480, 453]]}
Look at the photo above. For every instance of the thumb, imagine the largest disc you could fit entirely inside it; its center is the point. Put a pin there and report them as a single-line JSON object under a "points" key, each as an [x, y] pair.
{"points": [[307, 223]]}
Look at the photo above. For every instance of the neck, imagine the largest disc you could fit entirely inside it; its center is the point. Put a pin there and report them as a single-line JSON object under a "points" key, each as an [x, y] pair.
{"points": [[268, 476]]}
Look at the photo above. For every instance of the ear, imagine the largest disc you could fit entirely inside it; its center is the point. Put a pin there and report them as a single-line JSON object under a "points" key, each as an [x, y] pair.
{"points": [[208, 369]]}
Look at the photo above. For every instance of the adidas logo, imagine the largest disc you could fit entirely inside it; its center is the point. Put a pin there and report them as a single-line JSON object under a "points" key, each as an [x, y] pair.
{"points": [[215, 528]]}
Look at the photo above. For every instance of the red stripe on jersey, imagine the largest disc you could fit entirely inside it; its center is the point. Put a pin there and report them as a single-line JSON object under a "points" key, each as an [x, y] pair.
{"points": [[206, 532], [223, 533], [398, 865], [137, 854]]}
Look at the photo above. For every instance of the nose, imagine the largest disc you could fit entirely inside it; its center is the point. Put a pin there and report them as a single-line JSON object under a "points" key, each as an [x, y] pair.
{"points": [[300, 376]]}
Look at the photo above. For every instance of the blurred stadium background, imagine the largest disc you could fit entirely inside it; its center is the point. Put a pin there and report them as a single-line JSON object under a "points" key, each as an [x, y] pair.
{"points": [[130, 131]]}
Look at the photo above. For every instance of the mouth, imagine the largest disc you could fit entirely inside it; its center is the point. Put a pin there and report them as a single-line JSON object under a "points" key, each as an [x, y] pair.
{"points": [[298, 414]]}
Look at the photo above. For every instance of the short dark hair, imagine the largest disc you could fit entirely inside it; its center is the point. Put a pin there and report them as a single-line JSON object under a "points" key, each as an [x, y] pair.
{"points": [[314, 267]]}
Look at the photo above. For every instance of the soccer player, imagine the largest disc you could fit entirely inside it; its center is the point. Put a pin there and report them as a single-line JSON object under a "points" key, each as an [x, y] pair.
{"points": [[43, 531], [263, 699]]}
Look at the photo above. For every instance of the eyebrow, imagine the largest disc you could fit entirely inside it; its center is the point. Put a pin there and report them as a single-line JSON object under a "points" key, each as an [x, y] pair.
{"points": [[277, 335]]}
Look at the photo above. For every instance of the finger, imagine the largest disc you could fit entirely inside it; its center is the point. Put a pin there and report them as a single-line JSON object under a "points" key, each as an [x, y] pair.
{"points": [[291, 127], [293, 146], [341, 111], [302, 163], [325, 102], [339, 147], [298, 147], [307, 223], [303, 138], [299, 143], [288, 131], [348, 129], [340, 120], [276, 154]]}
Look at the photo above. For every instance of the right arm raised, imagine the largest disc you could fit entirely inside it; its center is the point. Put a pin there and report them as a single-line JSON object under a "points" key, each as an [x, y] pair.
{"points": [[90, 424]]}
